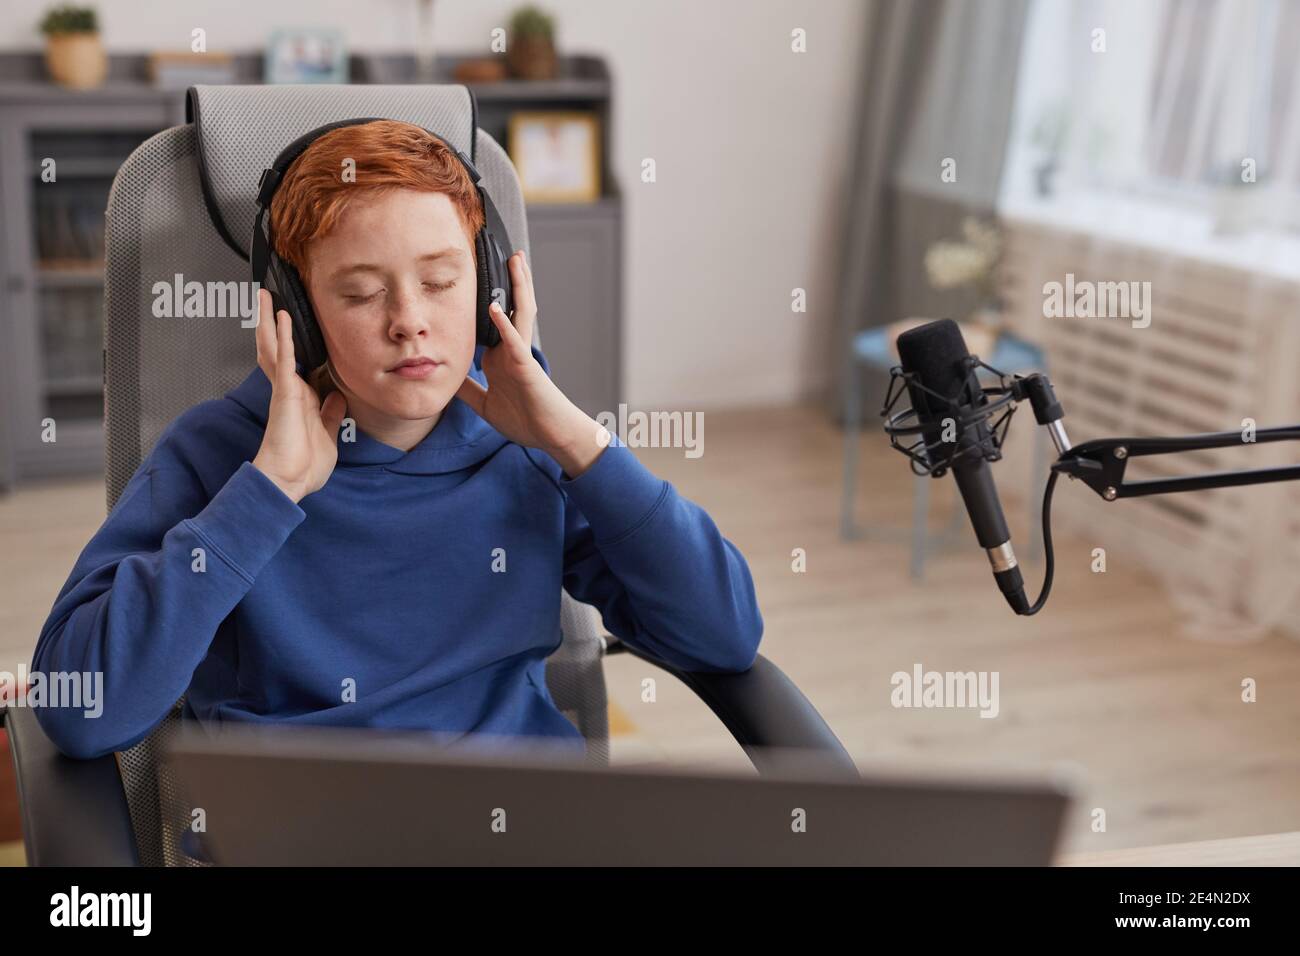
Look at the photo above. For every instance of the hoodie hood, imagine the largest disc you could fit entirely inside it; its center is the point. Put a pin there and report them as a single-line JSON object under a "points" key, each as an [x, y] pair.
{"points": [[461, 439]]}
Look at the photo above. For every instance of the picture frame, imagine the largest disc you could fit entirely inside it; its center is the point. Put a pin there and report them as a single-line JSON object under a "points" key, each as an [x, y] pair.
{"points": [[557, 155], [307, 55]]}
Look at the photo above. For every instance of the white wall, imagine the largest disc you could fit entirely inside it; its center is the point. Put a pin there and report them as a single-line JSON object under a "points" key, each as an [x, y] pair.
{"points": [[751, 143]]}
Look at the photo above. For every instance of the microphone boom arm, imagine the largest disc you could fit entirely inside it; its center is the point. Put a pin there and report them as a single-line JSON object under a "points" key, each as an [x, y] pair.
{"points": [[1100, 463]]}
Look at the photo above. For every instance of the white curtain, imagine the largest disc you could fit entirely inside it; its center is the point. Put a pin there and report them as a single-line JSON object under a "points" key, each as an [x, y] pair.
{"points": [[937, 81]]}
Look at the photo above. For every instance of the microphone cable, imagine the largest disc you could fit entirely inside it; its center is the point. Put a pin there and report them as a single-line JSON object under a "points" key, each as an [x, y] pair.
{"points": [[1048, 554]]}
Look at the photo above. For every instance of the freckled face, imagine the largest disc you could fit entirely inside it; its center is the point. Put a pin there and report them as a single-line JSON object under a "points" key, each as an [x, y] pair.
{"points": [[395, 280]]}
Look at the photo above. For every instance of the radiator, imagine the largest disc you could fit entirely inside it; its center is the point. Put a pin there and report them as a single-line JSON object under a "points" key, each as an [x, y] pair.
{"points": [[1223, 345]]}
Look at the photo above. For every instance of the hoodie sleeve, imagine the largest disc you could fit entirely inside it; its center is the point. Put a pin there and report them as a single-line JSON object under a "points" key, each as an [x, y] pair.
{"points": [[148, 593], [663, 577]]}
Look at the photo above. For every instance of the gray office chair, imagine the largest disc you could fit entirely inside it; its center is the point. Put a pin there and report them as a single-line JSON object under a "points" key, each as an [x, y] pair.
{"points": [[183, 203]]}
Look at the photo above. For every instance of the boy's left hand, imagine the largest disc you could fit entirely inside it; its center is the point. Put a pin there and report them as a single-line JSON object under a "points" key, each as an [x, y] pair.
{"points": [[521, 402]]}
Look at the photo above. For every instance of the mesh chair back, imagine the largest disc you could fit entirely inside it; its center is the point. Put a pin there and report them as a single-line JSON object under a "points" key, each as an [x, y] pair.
{"points": [[183, 203]]}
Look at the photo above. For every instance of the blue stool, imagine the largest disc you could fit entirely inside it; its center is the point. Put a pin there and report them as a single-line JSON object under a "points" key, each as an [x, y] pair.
{"points": [[872, 348]]}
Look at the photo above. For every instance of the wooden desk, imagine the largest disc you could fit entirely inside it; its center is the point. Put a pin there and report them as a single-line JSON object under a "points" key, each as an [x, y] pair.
{"points": [[1272, 849]]}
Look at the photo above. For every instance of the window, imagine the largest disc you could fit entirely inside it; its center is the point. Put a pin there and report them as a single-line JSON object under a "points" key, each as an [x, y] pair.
{"points": [[1191, 105]]}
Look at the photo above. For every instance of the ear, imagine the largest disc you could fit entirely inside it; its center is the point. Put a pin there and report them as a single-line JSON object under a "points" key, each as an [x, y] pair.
{"points": [[321, 383]]}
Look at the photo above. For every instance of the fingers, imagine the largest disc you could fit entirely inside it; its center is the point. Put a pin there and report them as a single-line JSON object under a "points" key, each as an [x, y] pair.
{"points": [[264, 335], [274, 338], [528, 271], [472, 394], [521, 282], [284, 364], [510, 337]]}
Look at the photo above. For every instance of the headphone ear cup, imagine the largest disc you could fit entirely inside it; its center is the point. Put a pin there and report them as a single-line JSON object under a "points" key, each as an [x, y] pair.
{"points": [[500, 274], [308, 343], [487, 333]]}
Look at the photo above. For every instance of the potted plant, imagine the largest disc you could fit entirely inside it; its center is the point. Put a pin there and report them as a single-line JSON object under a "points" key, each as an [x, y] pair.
{"points": [[74, 54], [530, 52], [972, 262]]}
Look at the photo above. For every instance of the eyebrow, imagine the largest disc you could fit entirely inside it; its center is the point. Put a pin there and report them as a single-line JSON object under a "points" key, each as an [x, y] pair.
{"points": [[451, 252]]}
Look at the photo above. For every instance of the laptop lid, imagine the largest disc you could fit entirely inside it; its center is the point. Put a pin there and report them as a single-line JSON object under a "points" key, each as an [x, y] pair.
{"points": [[317, 796]]}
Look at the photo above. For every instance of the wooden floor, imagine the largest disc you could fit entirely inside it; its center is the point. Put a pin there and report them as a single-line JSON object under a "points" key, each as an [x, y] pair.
{"points": [[1104, 682]]}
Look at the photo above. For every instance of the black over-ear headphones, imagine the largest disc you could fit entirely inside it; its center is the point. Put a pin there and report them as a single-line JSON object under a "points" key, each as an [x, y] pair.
{"points": [[286, 287]]}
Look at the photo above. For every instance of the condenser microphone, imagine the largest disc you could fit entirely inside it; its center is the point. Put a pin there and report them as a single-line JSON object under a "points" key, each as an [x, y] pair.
{"points": [[945, 394]]}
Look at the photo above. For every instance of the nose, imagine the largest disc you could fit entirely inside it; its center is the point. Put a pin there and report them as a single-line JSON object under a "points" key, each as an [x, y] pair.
{"points": [[408, 318]]}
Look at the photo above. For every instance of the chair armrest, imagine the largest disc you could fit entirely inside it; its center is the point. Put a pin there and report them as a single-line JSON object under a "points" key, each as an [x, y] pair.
{"points": [[74, 812], [769, 716]]}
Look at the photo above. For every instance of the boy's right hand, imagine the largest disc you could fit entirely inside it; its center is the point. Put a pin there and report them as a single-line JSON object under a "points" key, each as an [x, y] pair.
{"points": [[300, 447]]}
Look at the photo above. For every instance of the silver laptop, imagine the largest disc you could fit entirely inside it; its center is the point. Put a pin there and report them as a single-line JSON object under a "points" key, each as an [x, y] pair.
{"points": [[327, 797]]}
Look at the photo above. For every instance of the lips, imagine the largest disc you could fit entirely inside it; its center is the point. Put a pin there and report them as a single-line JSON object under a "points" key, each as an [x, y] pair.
{"points": [[411, 362], [416, 368]]}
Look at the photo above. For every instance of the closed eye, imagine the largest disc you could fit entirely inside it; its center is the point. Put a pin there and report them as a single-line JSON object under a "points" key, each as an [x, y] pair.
{"points": [[434, 286]]}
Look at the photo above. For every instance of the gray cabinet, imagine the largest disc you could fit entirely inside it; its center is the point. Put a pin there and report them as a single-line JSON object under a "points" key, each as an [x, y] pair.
{"points": [[52, 257], [576, 258]]}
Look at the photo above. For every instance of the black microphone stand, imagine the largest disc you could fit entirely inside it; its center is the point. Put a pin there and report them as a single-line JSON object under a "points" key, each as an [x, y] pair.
{"points": [[1099, 463]]}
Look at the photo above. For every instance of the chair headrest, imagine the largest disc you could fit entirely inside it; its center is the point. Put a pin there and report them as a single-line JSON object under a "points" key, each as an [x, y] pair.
{"points": [[241, 129]]}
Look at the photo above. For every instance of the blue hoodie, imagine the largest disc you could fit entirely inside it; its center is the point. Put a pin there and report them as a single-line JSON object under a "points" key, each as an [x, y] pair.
{"points": [[416, 590]]}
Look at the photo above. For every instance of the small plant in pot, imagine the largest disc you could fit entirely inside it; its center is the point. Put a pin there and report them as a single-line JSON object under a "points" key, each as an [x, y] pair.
{"points": [[74, 54], [972, 262], [530, 53]]}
